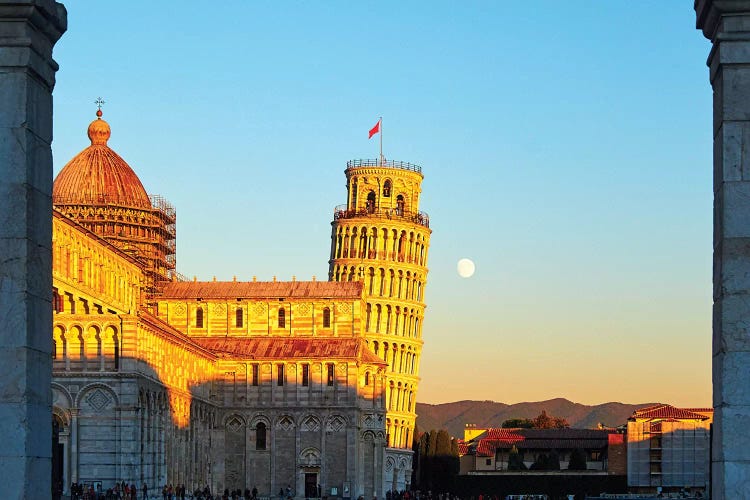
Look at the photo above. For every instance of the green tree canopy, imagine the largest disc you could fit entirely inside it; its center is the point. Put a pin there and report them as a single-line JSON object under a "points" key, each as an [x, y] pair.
{"points": [[515, 423], [541, 421]]}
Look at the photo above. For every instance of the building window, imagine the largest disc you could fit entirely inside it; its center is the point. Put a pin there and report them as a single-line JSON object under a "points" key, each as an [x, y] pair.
{"points": [[387, 189], [330, 374], [260, 436], [282, 318], [238, 318], [279, 374], [400, 204], [56, 301], [367, 378], [256, 372], [367, 317], [488, 461], [326, 317], [199, 318], [371, 202], [305, 375]]}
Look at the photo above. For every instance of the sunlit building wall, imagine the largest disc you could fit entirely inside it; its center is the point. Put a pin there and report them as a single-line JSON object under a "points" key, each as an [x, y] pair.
{"points": [[669, 448]]}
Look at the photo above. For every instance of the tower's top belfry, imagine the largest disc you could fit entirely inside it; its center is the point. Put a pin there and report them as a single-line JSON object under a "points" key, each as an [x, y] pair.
{"points": [[382, 188]]}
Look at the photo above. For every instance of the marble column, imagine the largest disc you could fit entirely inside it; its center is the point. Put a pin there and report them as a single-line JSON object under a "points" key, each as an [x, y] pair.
{"points": [[727, 24], [28, 31]]}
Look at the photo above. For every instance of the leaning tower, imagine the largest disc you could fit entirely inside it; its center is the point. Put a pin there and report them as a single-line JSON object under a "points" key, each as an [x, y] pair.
{"points": [[381, 238]]}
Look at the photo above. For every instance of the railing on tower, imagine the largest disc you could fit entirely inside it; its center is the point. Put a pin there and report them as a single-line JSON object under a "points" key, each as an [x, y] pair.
{"points": [[421, 218], [403, 165]]}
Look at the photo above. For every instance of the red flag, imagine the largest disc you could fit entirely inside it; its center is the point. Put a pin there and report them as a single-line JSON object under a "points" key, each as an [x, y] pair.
{"points": [[374, 130]]}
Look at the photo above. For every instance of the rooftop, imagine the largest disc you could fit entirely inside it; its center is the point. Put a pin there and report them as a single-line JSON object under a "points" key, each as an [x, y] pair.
{"points": [[262, 289], [287, 348], [665, 411]]}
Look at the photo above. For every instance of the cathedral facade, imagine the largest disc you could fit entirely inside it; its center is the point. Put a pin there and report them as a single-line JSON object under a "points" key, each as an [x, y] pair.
{"points": [[305, 386]]}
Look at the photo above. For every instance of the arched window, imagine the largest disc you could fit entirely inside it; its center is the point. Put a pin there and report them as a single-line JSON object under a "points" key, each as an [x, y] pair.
{"points": [[369, 315], [354, 195], [371, 202], [367, 378], [326, 317], [260, 436], [238, 318], [56, 301], [400, 204], [199, 318], [282, 318], [377, 320], [387, 189]]}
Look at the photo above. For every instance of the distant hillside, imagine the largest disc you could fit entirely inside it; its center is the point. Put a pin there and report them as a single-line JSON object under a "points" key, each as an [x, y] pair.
{"points": [[454, 416]]}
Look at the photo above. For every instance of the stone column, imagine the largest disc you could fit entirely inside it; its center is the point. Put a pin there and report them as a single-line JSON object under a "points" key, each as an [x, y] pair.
{"points": [[73, 445], [727, 24], [28, 31]]}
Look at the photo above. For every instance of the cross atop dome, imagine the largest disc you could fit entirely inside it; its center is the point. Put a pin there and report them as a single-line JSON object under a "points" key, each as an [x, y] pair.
{"points": [[99, 102]]}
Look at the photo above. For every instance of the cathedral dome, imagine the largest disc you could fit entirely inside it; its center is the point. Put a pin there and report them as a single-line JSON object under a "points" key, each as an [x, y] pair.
{"points": [[99, 176]]}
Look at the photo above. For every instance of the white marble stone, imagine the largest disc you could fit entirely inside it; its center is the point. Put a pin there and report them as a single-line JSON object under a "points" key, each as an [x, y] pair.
{"points": [[726, 24], [28, 30]]}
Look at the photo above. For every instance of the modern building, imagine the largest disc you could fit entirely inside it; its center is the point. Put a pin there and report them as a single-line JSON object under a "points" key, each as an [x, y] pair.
{"points": [[669, 449], [236, 384]]}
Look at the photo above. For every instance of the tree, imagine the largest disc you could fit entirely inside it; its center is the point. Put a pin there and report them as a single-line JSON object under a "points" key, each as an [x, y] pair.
{"points": [[577, 460], [541, 421], [540, 462], [436, 457], [515, 460], [416, 457], [515, 423], [544, 421], [553, 461]]}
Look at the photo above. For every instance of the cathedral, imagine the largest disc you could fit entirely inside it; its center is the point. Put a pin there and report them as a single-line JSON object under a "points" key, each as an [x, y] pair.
{"points": [[303, 386]]}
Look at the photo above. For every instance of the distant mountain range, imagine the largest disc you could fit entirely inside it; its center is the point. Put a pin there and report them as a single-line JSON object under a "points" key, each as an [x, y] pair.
{"points": [[455, 416]]}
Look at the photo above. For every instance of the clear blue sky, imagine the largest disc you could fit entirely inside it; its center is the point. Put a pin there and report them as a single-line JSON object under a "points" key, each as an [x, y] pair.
{"points": [[566, 148]]}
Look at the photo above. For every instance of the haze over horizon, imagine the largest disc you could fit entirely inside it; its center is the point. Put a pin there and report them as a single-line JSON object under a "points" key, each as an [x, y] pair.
{"points": [[566, 149]]}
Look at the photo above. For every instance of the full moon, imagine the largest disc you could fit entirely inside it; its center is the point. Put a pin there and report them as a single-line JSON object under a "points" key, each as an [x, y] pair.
{"points": [[465, 268]]}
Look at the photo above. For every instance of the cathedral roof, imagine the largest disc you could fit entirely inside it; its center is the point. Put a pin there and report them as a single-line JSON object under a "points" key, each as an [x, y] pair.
{"points": [[99, 176], [261, 289], [288, 348]]}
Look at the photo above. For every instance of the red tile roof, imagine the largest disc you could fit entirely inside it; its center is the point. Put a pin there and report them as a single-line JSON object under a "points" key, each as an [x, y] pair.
{"points": [[262, 289], [664, 411], [288, 348], [559, 439]]}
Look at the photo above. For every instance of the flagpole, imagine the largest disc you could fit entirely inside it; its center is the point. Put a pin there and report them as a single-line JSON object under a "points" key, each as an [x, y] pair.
{"points": [[381, 141]]}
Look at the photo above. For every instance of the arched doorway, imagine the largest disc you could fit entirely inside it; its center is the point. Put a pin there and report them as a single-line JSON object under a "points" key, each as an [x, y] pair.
{"points": [[58, 454]]}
